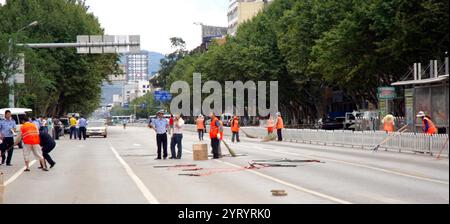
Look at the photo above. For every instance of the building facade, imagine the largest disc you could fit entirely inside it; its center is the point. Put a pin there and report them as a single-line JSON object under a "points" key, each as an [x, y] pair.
{"points": [[240, 11], [137, 67]]}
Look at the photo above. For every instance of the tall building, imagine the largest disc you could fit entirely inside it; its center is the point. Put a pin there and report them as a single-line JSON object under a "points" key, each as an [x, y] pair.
{"points": [[241, 11], [137, 67]]}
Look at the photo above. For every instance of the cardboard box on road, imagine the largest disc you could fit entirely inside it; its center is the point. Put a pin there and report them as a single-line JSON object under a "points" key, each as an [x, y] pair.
{"points": [[200, 152]]}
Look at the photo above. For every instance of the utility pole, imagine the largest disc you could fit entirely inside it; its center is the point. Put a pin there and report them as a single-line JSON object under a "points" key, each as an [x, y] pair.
{"points": [[12, 77]]}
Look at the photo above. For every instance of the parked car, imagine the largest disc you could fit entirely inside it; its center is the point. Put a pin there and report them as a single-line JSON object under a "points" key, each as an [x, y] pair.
{"points": [[333, 123], [96, 128]]}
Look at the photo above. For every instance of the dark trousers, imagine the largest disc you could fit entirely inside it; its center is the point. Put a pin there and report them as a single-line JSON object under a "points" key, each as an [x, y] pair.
{"points": [[201, 133], [176, 141], [235, 136], [7, 146], [73, 131], [215, 148], [161, 141], [82, 133], [56, 131], [46, 153], [280, 135]]}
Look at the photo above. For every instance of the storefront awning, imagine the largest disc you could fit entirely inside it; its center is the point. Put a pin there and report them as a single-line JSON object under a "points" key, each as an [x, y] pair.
{"points": [[423, 81]]}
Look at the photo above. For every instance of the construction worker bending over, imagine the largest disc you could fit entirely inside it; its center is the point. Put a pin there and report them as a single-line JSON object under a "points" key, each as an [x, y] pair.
{"points": [[215, 134], [235, 129], [388, 123], [29, 133], [280, 126], [427, 125]]}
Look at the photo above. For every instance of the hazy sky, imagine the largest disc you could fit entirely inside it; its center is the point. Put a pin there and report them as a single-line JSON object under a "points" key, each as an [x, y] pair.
{"points": [[158, 20]]}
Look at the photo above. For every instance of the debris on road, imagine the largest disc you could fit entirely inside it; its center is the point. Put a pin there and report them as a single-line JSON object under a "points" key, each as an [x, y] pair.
{"points": [[176, 166], [285, 160], [279, 193]]}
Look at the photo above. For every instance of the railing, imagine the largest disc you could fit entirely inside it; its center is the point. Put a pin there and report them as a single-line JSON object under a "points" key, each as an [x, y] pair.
{"points": [[404, 142]]}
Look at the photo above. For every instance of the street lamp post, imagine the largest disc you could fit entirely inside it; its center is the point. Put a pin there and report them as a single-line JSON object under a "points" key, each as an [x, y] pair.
{"points": [[12, 76]]}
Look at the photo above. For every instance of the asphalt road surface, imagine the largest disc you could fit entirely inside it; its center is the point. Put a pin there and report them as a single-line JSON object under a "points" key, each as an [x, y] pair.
{"points": [[120, 170]]}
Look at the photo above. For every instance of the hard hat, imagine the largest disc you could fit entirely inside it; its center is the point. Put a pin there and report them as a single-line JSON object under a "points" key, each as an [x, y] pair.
{"points": [[421, 114]]}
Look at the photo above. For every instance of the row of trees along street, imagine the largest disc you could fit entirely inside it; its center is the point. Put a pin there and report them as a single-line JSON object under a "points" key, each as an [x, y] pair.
{"points": [[310, 46], [57, 80]]}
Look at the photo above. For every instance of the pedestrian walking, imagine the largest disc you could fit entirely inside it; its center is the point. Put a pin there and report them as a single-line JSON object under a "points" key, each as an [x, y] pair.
{"points": [[82, 126], [73, 127], [171, 124], [280, 126], [29, 133], [235, 129], [48, 144], [7, 131], [428, 126], [161, 126], [124, 123], [36, 122], [214, 134], [57, 127], [50, 126], [200, 122], [177, 137], [44, 125]]}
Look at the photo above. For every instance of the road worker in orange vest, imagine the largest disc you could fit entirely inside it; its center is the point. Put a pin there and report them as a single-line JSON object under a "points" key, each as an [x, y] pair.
{"points": [[235, 129], [29, 133], [280, 126], [388, 123], [427, 125], [270, 125], [200, 127], [215, 134]]}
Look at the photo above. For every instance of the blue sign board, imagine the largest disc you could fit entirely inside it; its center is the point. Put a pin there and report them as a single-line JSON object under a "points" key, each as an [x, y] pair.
{"points": [[162, 96]]}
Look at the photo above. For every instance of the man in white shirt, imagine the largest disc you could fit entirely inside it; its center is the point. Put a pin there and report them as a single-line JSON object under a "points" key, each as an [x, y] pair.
{"points": [[177, 137]]}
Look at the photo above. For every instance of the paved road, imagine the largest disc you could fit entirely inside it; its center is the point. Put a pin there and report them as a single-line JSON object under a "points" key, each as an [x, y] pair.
{"points": [[119, 169]]}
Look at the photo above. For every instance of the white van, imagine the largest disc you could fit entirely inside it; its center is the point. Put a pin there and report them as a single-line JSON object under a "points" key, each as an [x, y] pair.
{"points": [[18, 115]]}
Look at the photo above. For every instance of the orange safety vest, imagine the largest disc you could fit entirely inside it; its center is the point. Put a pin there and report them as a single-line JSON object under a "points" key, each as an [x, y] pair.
{"points": [[30, 134], [388, 126], [200, 124], [431, 127], [235, 125], [214, 130], [280, 124]]}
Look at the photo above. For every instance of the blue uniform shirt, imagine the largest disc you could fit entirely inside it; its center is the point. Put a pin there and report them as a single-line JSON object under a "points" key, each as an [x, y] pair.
{"points": [[6, 126], [160, 125], [82, 123]]}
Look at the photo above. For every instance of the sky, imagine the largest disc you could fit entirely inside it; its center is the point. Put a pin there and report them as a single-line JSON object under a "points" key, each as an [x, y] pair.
{"points": [[158, 20]]}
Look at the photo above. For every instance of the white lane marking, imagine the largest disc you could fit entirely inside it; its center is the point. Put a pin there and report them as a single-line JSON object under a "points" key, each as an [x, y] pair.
{"points": [[137, 145], [358, 165], [318, 194], [18, 173], [144, 190]]}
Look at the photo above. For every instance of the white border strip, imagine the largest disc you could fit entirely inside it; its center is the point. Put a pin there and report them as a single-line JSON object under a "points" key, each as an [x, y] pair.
{"points": [[18, 173], [144, 190]]}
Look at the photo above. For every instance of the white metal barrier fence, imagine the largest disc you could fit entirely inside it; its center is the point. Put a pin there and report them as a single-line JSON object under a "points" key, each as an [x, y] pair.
{"points": [[408, 142]]}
